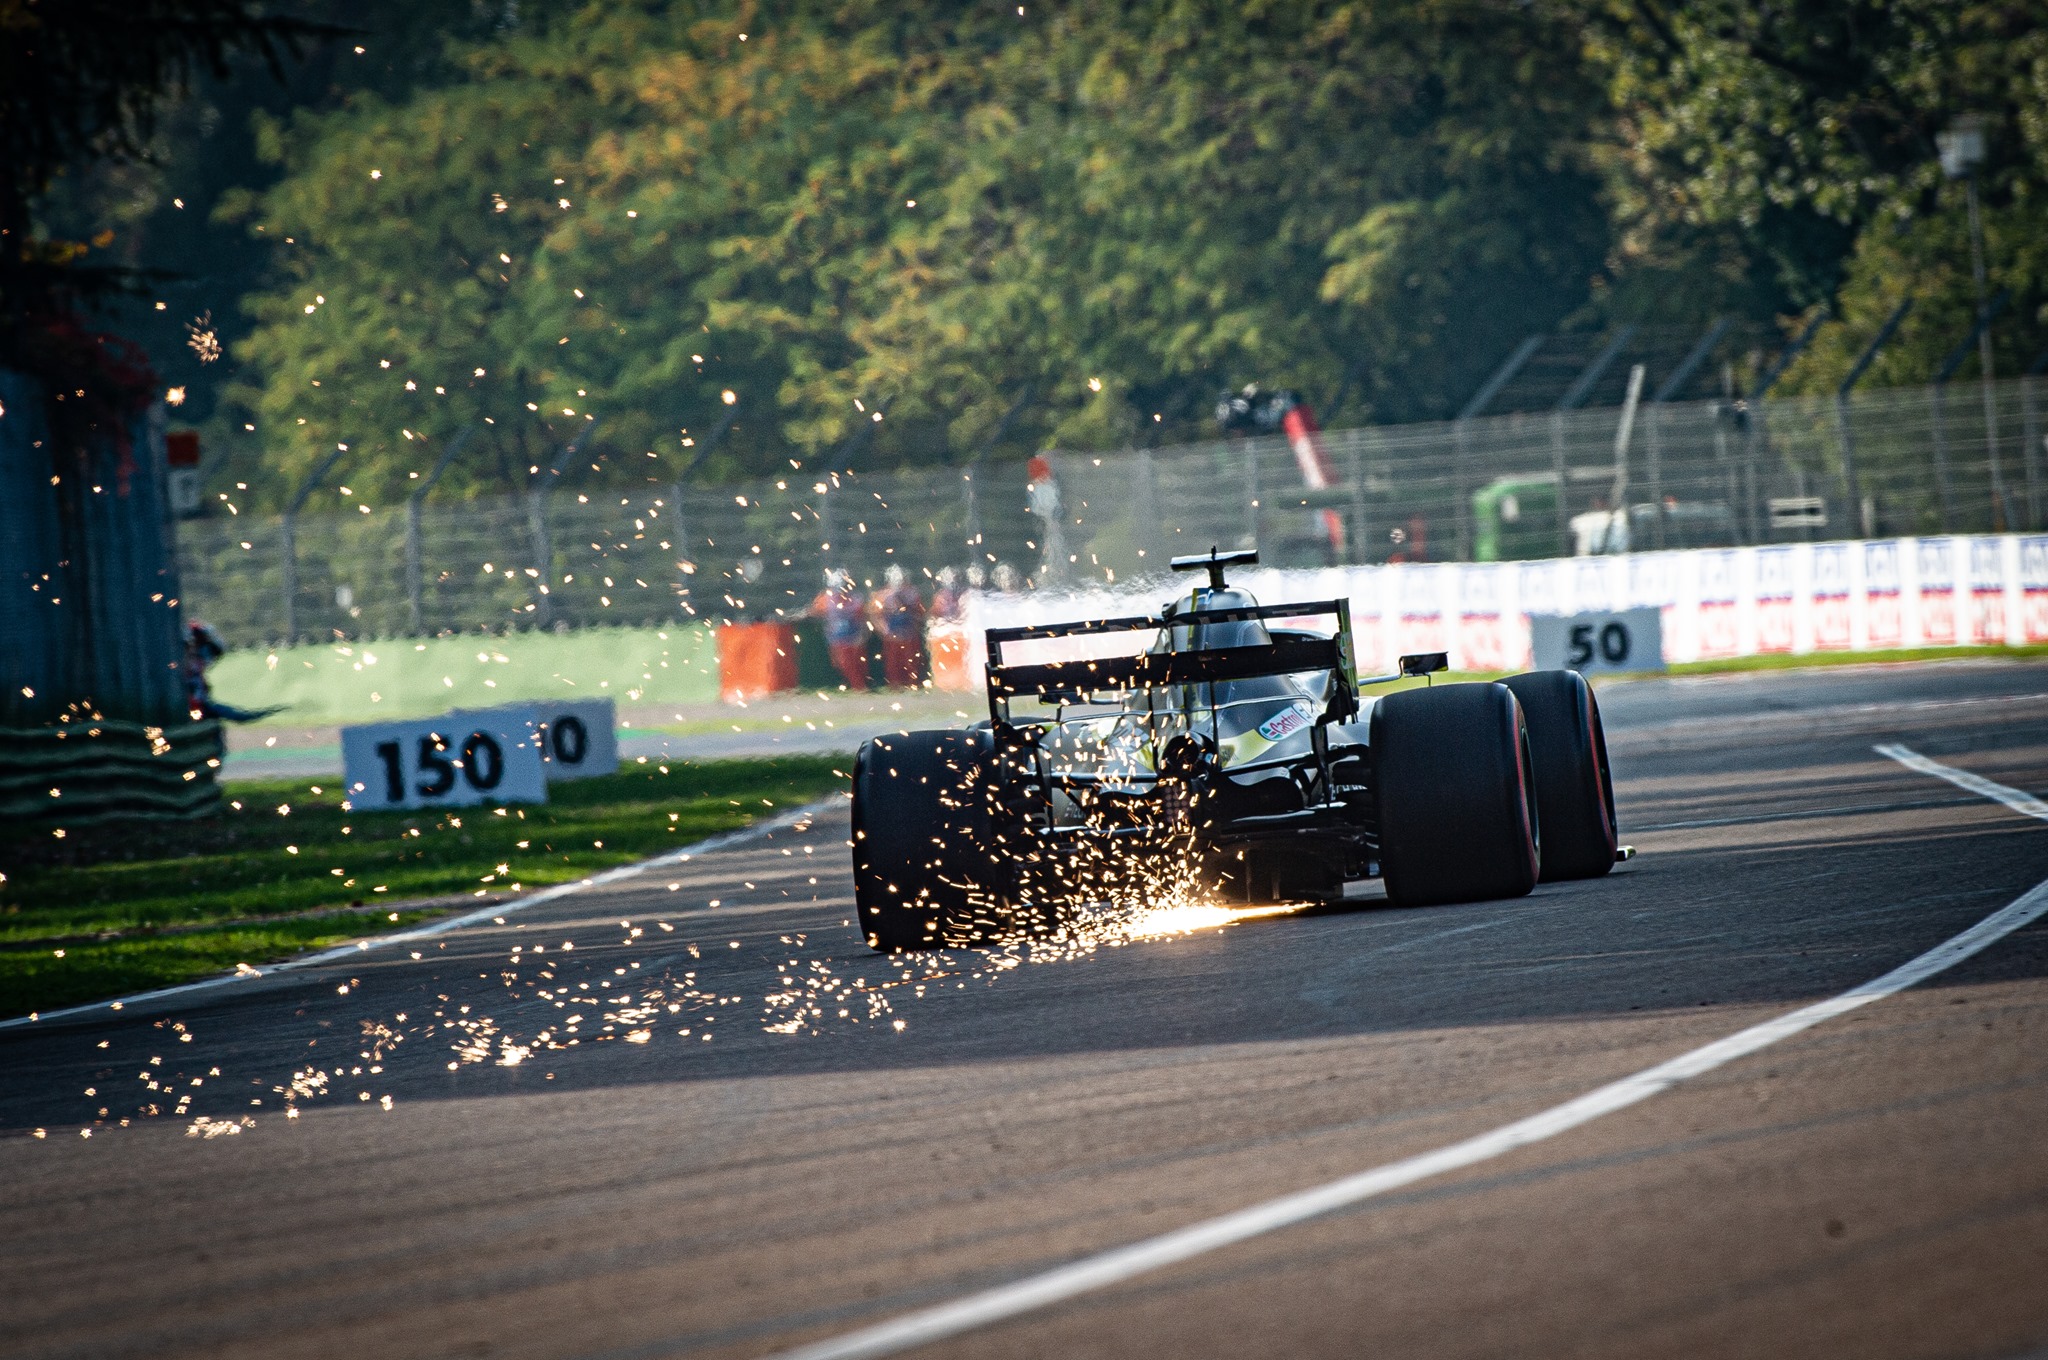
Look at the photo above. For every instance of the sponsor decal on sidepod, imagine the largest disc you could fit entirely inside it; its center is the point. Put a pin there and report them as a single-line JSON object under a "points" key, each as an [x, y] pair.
{"points": [[1278, 726]]}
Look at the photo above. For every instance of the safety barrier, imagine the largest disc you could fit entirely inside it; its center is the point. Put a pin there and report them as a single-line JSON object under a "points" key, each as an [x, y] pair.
{"points": [[1717, 603], [755, 660], [96, 770]]}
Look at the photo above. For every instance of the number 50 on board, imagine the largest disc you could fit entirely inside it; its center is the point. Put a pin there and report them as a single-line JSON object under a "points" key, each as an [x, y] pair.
{"points": [[1624, 640]]}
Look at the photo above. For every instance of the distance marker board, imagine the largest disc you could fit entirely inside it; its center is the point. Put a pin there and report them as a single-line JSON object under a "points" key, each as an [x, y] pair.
{"points": [[1619, 640], [460, 759], [579, 737], [488, 750]]}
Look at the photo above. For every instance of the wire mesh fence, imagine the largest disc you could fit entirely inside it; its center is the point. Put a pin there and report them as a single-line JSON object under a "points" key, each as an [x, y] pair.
{"points": [[1531, 485]]}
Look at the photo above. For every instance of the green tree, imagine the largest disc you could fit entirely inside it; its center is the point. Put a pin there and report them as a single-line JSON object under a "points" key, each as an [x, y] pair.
{"points": [[1783, 158], [77, 86], [923, 212], [407, 239]]}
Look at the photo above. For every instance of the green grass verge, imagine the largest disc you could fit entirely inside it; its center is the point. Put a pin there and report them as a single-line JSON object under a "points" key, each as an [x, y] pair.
{"points": [[150, 904], [1783, 661], [352, 682], [42, 979]]}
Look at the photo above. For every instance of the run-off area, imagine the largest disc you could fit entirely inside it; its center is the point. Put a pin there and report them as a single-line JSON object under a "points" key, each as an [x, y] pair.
{"points": [[1870, 1184]]}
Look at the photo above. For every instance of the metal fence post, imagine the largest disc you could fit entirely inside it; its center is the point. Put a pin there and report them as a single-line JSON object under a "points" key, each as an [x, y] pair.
{"points": [[1752, 471], [1562, 474], [1653, 467], [413, 566], [1961, 352], [1357, 538], [1666, 390], [1144, 496], [287, 533], [730, 399], [971, 494], [543, 554], [1843, 429], [2030, 436], [1759, 433], [1461, 489], [1937, 398], [537, 527], [1574, 397], [970, 490], [1731, 472], [413, 587], [288, 549], [2001, 502], [685, 564], [825, 533], [1251, 490], [1623, 432], [1852, 486]]}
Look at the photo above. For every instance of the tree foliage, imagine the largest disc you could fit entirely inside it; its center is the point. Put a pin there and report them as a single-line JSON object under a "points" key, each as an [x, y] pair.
{"points": [[925, 213], [87, 79], [1783, 157], [1077, 225]]}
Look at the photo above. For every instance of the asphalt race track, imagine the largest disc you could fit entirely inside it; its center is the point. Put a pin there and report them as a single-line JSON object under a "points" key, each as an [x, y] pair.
{"points": [[796, 1168]]}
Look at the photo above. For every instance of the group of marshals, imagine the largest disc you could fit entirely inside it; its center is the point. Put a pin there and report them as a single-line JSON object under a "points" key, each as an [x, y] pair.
{"points": [[896, 614]]}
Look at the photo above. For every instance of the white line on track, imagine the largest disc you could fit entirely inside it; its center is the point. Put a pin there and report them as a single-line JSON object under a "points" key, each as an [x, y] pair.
{"points": [[1114, 1267], [442, 927], [2023, 803]]}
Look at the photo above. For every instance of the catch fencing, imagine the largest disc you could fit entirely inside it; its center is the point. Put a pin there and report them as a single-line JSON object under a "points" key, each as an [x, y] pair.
{"points": [[1715, 474]]}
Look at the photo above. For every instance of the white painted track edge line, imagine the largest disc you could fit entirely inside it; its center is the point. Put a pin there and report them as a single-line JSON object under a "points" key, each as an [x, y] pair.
{"points": [[2018, 800], [723, 840], [1120, 1264]]}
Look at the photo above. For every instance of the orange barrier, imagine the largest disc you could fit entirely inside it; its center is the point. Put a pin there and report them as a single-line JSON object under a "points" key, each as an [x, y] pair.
{"points": [[952, 668], [755, 659]]}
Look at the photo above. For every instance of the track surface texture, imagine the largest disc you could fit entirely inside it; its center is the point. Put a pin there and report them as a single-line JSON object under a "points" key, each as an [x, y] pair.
{"points": [[1874, 1185]]}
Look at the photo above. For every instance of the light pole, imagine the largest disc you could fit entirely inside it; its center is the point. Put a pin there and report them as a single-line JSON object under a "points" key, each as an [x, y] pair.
{"points": [[1962, 149]]}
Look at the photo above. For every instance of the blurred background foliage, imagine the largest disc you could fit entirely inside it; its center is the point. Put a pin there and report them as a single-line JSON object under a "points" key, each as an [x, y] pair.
{"points": [[1005, 228]]}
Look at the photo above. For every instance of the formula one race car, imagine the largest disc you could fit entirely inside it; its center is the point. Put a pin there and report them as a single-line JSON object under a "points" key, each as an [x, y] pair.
{"points": [[1210, 744]]}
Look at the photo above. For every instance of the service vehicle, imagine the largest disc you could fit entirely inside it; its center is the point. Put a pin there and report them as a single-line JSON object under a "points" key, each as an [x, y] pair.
{"points": [[1230, 743]]}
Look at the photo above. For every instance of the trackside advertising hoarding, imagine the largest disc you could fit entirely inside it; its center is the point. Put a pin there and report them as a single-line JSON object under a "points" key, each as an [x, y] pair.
{"points": [[1792, 598]]}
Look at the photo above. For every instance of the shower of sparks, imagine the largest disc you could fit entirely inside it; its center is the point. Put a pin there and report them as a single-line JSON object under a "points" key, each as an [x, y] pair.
{"points": [[672, 986], [201, 338], [1187, 920], [645, 986]]}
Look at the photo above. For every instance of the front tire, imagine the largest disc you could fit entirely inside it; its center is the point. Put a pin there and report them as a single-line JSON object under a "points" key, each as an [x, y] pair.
{"points": [[928, 863], [1574, 792], [1458, 819]]}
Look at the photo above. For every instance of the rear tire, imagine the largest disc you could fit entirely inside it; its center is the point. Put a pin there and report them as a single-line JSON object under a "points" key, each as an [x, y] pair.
{"points": [[1574, 792], [1458, 819], [928, 865]]}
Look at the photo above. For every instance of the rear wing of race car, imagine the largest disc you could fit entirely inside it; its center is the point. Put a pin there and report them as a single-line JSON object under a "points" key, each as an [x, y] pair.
{"points": [[1068, 681]]}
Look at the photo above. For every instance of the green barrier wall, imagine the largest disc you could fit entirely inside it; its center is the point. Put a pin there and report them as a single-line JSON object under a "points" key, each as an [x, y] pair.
{"points": [[100, 770], [408, 677]]}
